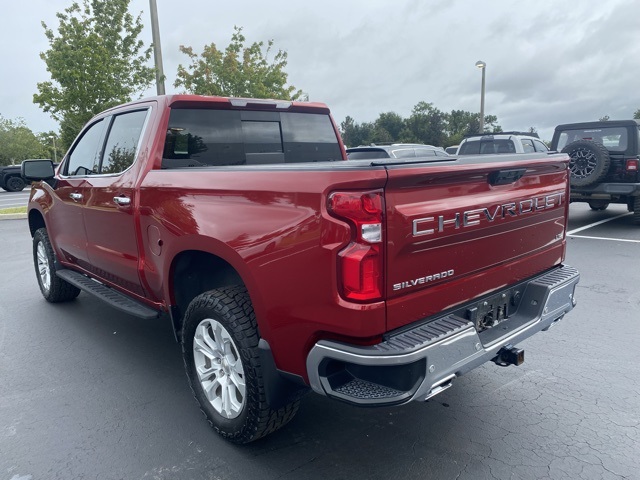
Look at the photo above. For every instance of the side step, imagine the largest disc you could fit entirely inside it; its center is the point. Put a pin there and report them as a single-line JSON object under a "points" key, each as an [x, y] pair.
{"points": [[109, 295]]}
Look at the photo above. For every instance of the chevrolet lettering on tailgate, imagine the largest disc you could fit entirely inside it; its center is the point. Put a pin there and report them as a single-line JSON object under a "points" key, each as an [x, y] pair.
{"points": [[470, 218]]}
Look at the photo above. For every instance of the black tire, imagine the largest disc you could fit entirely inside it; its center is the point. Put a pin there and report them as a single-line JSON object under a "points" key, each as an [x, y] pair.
{"points": [[15, 184], [598, 205], [53, 288], [589, 162], [230, 308], [636, 210]]}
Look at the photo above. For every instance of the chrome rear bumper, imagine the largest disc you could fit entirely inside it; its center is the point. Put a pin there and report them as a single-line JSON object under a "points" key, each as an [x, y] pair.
{"points": [[421, 362]]}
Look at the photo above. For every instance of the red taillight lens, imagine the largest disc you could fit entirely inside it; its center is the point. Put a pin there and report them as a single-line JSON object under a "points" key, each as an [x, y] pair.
{"points": [[632, 164], [360, 264]]}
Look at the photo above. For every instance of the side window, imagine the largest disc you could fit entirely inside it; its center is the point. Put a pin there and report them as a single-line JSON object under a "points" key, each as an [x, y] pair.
{"points": [[404, 153], [122, 143], [425, 152], [83, 159], [527, 146], [540, 147]]}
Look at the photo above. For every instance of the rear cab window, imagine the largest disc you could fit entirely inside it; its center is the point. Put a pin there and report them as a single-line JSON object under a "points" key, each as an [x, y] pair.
{"points": [[209, 137]]}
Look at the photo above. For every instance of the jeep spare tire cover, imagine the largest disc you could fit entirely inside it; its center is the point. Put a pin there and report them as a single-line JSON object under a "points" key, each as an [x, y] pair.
{"points": [[589, 162]]}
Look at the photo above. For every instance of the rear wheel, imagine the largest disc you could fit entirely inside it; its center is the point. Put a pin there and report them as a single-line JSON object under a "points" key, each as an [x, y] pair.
{"points": [[220, 351], [53, 288], [15, 184], [636, 210], [589, 162], [597, 205]]}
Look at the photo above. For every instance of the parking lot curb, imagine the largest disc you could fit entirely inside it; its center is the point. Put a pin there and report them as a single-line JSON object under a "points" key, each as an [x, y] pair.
{"points": [[12, 216]]}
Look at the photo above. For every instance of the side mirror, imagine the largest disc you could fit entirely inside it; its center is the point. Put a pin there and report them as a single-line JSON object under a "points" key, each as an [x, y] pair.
{"points": [[35, 170]]}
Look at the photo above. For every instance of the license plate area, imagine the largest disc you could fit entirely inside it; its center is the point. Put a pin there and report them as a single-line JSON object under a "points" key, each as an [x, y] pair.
{"points": [[495, 309]]}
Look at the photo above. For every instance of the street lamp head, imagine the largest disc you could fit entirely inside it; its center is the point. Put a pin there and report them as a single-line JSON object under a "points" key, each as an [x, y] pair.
{"points": [[480, 64]]}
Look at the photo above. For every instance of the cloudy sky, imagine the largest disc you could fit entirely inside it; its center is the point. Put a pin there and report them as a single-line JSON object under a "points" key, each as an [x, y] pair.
{"points": [[548, 61]]}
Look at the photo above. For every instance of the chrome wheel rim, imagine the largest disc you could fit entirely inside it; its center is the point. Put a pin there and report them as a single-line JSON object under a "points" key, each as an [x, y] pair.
{"points": [[44, 269], [219, 368], [583, 163]]}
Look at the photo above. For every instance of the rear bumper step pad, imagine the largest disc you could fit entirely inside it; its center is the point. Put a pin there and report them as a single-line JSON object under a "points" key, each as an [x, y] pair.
{"points": [[418, 363]]}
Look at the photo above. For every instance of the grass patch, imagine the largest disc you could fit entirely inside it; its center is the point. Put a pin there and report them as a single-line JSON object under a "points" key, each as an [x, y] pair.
{"points": [[6, 211]]}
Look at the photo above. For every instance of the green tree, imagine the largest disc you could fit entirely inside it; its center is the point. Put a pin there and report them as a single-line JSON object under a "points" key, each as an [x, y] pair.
{"points": [[426, 124], [51, 140], [238, 71], [459, 124], [95, 60], [354, 134], [636, 115], [390, 123], [18, 142]]}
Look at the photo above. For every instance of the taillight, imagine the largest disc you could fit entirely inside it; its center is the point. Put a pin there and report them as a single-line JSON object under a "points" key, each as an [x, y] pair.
{"points": [[360, 264], [632, 164]]}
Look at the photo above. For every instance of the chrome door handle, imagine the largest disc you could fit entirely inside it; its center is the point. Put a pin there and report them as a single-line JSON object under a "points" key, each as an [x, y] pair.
{"points": [[75, 196], [122, 201]]}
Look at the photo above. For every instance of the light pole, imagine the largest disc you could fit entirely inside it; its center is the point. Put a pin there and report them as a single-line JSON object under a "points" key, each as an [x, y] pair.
{"points": [[157, 50], [55, 154], [482, 66]]}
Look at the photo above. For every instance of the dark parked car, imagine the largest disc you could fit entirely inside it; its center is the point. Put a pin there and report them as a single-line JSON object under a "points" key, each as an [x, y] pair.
{"points": [[605, 162], [11, 179]]}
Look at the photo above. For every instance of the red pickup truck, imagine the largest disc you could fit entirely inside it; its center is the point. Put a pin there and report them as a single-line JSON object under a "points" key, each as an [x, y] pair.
{"points": [[283, 267]]}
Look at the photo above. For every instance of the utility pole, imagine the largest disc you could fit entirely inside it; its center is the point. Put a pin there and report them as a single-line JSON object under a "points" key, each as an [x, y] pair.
{"points": [[482, 66], [55, 154], [157, 49]]}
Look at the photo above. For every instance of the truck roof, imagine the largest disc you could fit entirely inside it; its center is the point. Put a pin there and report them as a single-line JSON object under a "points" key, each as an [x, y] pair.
{"points": [[187, 100]]}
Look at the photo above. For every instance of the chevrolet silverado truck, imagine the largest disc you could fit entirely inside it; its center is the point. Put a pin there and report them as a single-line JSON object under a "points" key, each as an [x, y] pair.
{"points": [[284, 267]]}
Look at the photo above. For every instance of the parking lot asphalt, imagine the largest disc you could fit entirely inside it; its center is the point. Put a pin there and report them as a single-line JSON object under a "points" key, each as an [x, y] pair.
{"points": [[14, 199], [87, 392]]}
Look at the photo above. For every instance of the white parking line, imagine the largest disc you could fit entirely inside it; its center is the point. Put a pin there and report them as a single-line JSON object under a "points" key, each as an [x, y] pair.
{"points": [[604, 238], [570, 233]]}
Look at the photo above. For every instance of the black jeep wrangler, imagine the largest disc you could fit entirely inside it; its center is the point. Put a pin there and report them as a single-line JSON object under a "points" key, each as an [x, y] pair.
{"points": [[605, 162]]}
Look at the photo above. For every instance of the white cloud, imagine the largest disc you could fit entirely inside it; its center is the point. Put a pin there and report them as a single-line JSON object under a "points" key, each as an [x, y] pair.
{"points": [[548, 62]]}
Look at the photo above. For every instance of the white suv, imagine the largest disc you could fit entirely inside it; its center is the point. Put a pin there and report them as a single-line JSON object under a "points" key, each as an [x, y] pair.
{"points": [[503, 142]]}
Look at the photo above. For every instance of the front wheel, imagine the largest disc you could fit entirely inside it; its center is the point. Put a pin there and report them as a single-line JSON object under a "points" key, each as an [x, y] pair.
{"points": [[53, 288], [220, 351]]}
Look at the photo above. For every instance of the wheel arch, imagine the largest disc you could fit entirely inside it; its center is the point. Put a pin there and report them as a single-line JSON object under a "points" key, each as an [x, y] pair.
{"points": [[36, 221], [193, 272]]}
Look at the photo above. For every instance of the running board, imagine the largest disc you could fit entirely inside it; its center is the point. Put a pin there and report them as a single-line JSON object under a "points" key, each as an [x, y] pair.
{"points": [[109, 295]]}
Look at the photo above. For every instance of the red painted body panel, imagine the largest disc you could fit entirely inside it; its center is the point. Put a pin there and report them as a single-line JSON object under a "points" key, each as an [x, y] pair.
{"points": [[271, 225], [489, 253], [273, 228]]}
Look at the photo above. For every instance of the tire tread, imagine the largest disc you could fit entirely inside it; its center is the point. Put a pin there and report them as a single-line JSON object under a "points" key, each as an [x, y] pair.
{"points": [[233, 304], [60, 290]]}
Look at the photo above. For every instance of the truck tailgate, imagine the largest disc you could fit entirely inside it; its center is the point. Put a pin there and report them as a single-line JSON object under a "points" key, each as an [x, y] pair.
{"points": [[459, 230]]}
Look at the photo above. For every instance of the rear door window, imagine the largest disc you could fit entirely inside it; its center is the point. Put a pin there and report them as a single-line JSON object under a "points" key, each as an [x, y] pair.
{"points": [[122, 142], [527, 146], [540, 147]]}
